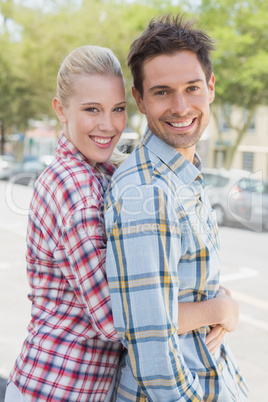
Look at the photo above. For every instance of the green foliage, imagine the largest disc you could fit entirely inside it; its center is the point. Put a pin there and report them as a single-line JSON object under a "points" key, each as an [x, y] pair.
{"points": [[33, 56], [241, 57], [33, 42]]}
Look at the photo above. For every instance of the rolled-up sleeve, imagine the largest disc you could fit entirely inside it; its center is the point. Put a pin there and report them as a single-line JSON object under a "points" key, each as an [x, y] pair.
{"points": [[143, 252]]}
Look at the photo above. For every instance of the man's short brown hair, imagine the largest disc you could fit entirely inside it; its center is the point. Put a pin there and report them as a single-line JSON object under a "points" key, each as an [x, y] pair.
{"points": [[168, 34]]}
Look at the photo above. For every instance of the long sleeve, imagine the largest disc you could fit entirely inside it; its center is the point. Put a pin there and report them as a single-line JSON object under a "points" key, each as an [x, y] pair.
{"points": [[143, 252], [82, 249]]}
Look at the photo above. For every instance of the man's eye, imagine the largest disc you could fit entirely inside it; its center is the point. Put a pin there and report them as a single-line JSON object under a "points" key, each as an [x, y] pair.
{"points": [[193, 88], [161, 93]]}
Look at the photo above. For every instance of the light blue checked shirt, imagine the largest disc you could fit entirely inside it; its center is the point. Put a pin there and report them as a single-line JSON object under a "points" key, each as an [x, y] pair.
{"points": [[163, 248]]}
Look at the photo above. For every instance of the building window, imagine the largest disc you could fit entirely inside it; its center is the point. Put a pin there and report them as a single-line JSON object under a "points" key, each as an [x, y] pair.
{"points": [[248, 161], [219, 158], [225, 117]]}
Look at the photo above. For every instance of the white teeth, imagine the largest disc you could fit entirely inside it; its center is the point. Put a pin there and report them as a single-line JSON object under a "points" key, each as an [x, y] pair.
{"points": [[101, 140], [185, 124]]}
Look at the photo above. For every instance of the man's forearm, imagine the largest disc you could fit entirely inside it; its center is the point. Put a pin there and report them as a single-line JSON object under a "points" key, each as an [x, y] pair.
{"points": [[193, 315], [222, 310]]}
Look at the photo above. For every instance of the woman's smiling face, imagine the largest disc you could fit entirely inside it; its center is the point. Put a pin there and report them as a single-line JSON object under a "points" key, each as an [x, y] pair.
{"points": [[95, 116]]}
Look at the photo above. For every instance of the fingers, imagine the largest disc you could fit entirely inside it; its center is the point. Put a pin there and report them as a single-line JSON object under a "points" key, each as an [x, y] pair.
{"points": [[214, 338], [225, 290], [215, 331], [222, 289]]}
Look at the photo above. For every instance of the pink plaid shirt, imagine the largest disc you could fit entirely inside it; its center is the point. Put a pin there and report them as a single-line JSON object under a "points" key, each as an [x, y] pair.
{"points": [[72, 350]]}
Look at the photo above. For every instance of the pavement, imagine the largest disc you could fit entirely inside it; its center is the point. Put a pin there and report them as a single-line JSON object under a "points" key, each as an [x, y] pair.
{"points": [[244, 272]]}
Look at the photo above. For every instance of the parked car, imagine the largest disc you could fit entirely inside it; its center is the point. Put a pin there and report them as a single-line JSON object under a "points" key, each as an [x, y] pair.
{"points": [[255, 201], [29, 172], [237, 197], [9, 166], [128, 141]]}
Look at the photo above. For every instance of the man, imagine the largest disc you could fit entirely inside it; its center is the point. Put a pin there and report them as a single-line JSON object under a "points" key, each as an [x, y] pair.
{"points": [[162, 237]]}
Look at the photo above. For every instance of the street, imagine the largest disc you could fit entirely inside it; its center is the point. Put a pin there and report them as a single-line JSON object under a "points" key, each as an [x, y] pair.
{"points": [[244, 272]]}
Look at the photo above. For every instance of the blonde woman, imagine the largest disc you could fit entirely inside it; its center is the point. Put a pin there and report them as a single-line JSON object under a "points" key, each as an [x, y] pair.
{"points": [[72, 350]]}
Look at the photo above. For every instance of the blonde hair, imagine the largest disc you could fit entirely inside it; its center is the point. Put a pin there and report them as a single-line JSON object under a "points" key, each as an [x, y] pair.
{"points": [[85, 60], [88, 60]]}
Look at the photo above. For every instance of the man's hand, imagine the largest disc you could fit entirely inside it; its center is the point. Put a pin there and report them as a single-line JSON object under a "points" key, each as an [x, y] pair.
{"points": [[214, 338], [228, 310]]}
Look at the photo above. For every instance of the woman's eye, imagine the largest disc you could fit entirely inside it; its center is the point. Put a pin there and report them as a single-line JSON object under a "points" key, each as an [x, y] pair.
{"points": [[120, 109], [91, 109]]}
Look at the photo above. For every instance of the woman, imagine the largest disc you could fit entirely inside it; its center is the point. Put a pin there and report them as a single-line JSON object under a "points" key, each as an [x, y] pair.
{"points": [[72, 350]]}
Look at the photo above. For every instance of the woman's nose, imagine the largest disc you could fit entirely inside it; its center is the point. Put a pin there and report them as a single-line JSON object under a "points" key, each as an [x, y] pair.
{"points": [[106, 123]]}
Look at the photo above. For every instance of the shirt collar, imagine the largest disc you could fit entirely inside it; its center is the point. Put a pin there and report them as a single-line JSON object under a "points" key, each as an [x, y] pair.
{"points": [[66, 149], [180, 165]]}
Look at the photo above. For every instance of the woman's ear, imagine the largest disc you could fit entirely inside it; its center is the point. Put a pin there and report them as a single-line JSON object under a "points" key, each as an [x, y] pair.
{"points": [[59, 110]]}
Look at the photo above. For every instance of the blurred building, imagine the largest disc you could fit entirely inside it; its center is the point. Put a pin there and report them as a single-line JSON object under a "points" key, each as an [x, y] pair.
{"points": [[251, 153], [41, 140]]}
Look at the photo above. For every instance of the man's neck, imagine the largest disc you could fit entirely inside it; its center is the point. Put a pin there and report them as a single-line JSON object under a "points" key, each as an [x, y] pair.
{"points": [[188, 153]]}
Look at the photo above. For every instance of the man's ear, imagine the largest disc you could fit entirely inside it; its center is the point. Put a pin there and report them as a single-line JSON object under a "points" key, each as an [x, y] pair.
{"points": [[211, 88], [59, 110], [138, 100]]}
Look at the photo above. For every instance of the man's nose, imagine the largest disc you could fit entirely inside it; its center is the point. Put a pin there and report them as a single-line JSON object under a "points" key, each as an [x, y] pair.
{"points": [[179, 104]]}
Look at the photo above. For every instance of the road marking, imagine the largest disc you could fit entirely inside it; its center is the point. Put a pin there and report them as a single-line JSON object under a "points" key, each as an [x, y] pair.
{"points": [[244, 272], [252, 321], [253, 301]]}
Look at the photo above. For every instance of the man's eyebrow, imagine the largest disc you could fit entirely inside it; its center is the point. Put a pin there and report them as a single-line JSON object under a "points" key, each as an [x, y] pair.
{"points": [[158, 88], [163, 87], [194, 81]]}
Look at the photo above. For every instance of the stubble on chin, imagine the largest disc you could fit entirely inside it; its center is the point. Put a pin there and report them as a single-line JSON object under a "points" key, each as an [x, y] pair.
{"points": [[182, 141]]}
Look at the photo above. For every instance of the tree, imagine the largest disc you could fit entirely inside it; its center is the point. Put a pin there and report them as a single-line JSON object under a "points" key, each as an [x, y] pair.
{"points": [[31, 48], [115, 24], [45, 35], [240, 60], [9, 81]]}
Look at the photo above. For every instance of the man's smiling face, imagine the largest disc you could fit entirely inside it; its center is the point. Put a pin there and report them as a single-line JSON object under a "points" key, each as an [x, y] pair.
{"points": [[176, 99]]}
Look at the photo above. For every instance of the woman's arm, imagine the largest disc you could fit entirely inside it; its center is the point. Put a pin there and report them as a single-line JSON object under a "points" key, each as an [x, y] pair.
{"points": [[221, 313]]}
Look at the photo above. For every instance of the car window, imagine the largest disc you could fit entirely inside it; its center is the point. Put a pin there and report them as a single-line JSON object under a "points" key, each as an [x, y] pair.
{"points": [[32, 165], [215, 180], [257, 186], [7, 158]]}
